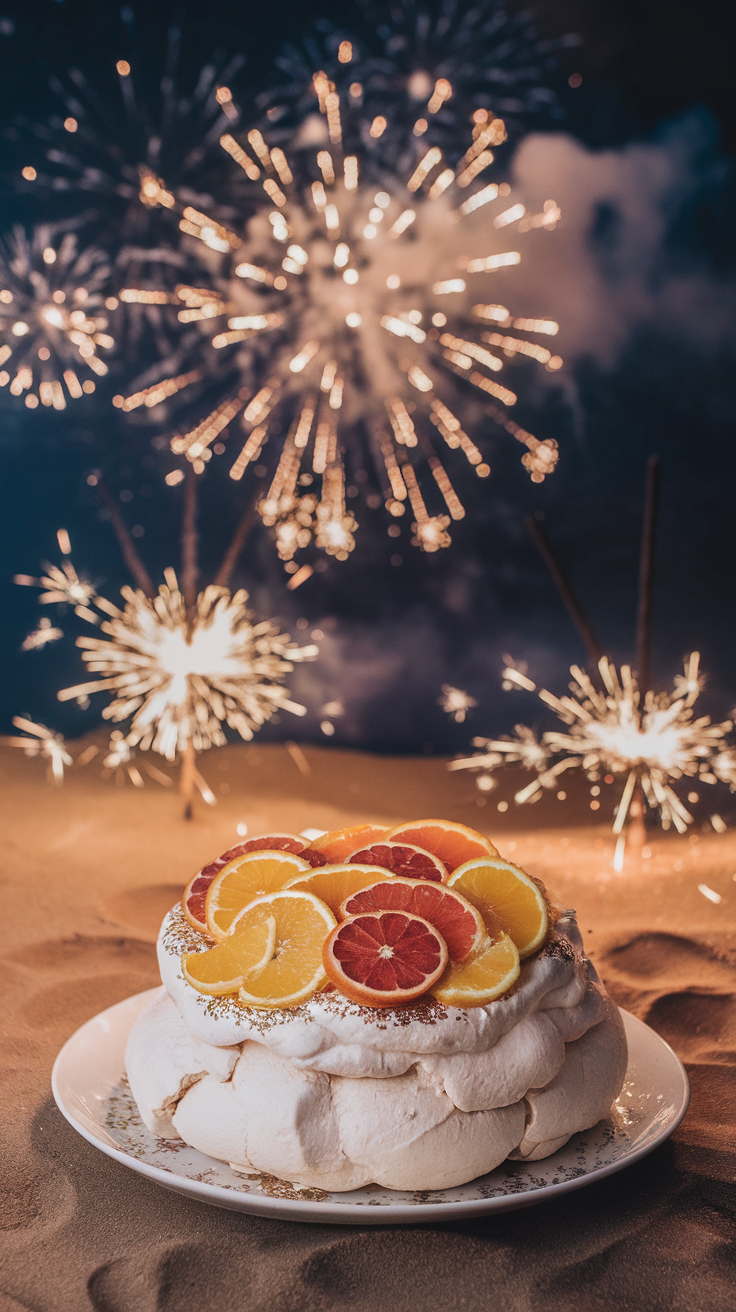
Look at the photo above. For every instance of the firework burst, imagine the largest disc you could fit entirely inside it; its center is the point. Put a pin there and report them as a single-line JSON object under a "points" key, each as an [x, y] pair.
{"points": [[54, 303], [654, 741], [180, 674], [43, 742], [361, 313]]}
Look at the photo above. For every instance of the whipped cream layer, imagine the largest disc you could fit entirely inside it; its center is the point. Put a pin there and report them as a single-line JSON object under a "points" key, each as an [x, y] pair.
{"points": [[557, 998]]}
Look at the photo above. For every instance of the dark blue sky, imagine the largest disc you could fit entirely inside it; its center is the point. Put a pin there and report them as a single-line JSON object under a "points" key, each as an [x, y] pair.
{"points": [[664, 383]]}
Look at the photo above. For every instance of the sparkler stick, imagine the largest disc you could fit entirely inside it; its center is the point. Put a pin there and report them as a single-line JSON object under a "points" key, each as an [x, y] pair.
{"points": [[244, 526], [125, 541], [646, 573], [189, 540], [567, 592]]}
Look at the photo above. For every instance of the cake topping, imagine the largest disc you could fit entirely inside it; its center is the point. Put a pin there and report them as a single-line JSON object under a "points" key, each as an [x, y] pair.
{"points": [[340, 843], [229, 964], [384, 958], [506, 897], [295, 971], [403, 859], [333, 884], [244, 879], [457, 920], [482, 976], [451, 842]]}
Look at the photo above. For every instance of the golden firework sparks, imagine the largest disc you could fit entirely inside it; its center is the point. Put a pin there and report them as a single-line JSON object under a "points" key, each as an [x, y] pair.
{"points": [[44, 633], [456, 702], [179, 675], [54, 303], [655, 741], [41, 742], [359, 302]]}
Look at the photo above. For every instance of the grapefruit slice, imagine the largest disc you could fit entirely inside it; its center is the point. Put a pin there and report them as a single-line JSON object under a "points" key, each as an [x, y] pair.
{"points": [[505, 895], [452, 843], [403, 859], [229, 964], [339, 843], [460, 925], [296, 970], [333, 884], [195, 894], [485, 975], [384, 958], [244, 879]]}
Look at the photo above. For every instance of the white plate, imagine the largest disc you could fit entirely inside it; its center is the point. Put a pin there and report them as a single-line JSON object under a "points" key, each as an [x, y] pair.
{"points": [[90, 1090]]}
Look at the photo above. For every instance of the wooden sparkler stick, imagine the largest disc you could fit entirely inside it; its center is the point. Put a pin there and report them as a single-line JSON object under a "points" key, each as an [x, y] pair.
{"points": [[125, 541], [187, 778], [242, 531], [568, 594], [646, 576], [189, 540]]}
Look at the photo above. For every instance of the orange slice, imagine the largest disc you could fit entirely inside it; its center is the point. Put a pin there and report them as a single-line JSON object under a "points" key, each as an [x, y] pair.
{"points": [[244, 879], [505, 895], [339, 843], [403, 859], [452, 843], [485, 975], [459, 923], [333, 884], [296, 970], [229, 964], [384, 958], [194, 897]]}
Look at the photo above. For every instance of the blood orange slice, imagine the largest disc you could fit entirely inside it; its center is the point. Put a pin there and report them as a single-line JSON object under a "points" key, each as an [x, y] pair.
{"points": [[333, 884], [460, 925], [505, 895], [384, 958], [228, 965], [339, 843], [195, 894], [403, 859], [452, 843], [483, 976], [244, 879]]}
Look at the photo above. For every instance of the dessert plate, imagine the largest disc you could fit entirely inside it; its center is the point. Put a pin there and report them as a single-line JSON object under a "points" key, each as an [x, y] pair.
{"points": [[90, 1089]]}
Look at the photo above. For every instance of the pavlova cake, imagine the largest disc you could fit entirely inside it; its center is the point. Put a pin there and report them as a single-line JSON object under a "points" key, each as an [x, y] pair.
{"points": [[399, 1006]]}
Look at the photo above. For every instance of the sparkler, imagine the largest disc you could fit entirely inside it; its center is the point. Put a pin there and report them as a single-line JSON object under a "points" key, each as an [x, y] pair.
{"points": [[456, 702], [54, 303], [41, 742], [356, 304], [652, 740]]}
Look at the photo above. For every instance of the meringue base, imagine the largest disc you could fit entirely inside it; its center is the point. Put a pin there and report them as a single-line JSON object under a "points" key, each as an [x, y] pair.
{"points": [[255, 1108]]}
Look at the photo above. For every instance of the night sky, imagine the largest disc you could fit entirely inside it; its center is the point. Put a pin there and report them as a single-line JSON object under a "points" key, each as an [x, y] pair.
{"points": [[644, 270]]}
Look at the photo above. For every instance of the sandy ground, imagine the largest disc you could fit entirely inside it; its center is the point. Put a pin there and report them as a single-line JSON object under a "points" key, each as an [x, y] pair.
{"points": [[87, 872]]}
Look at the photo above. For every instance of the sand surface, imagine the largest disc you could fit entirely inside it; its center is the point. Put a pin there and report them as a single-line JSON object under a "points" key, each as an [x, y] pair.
{"points": [[87, 872]]}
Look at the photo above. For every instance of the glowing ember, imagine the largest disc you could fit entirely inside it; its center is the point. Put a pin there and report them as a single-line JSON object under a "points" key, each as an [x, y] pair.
{"points": [[456, 702], [655, 741]]}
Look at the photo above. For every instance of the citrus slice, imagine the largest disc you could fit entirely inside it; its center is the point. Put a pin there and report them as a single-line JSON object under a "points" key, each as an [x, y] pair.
{"points": [[452, 843], [333, 884], [485, 975], [229, 964], [460, 925], [195, 894], [244, 879], [403, 859], [296, 970], [384, 958], [313, 857], [339, 843], [505, 895]]}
